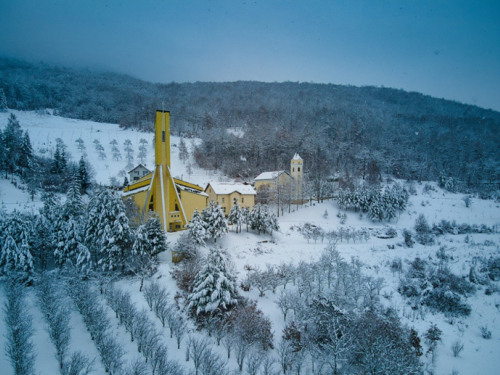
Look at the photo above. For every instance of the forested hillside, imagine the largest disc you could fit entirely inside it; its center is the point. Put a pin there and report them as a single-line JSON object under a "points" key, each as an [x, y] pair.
{"points": [[338, 130]]}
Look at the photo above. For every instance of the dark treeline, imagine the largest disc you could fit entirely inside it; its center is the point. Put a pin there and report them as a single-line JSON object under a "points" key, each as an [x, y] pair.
{"points": [[351, 131]]}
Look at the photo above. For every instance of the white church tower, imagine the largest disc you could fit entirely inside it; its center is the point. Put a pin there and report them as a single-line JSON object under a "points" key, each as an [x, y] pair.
{"points": [[297, 171]]}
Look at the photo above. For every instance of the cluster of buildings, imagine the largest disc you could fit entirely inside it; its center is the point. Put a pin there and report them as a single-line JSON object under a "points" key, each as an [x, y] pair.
{"points": [[176, 200]]}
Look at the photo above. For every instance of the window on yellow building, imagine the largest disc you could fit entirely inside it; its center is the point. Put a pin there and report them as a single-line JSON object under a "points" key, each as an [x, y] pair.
{"points": [[242, 200], [222, 200]]}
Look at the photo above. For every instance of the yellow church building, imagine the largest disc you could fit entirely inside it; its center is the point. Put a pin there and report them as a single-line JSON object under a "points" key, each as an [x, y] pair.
{"points": [[174, 200], [268, 180]]}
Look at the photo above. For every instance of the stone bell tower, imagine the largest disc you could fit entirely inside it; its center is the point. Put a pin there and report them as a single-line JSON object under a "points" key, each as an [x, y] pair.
{"points": [[297, 171]]}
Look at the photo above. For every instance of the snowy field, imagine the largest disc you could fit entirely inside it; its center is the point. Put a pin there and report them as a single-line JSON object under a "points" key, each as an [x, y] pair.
{"points": [[45, 129], [249, 250]]}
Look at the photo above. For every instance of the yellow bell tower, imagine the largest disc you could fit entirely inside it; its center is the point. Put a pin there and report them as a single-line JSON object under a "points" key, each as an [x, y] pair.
{"points": [[163, 197], [172, 199], [297, 170]]}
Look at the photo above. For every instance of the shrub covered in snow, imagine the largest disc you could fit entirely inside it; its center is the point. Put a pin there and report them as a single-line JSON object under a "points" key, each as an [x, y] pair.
{"points": [[439, 289], [214, 287]]}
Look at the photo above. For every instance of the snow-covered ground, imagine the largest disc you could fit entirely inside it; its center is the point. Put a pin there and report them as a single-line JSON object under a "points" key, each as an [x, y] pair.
{"points": [[45, 129], [480, 356]]}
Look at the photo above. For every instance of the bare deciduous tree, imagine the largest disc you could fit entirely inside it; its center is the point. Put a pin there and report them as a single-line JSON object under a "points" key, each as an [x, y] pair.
{"points": [[197, 348], [78, 364], [18, 347], [54, 307]]}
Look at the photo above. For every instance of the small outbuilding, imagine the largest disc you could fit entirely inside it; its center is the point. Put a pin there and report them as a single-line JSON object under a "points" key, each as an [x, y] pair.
{"points": [[138, 172]]}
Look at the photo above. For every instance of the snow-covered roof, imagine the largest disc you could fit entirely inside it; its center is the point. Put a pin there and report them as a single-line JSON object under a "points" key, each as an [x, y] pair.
{"points": [[221, 188], [139, 166], [296, 157], [135, 191], [269, 175], [188, 189]]}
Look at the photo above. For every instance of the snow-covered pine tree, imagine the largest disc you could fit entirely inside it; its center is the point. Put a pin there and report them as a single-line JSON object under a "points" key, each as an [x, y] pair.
{"points": [[235, 216], [3, 101], [93, 223], [3, 154], [390, 204], [73, 207], [15, 249], [376, 211], [402, 196], [74, 251], [83, 175], [68, 239], [16, 259], [259, 217], [215, 220], [114, 232], [272, 223], [214, 286], [26, 154], [12, 140], [247, 216], [197, 228], [34, 177], [150, 238], [42, 246], [107, 231]]}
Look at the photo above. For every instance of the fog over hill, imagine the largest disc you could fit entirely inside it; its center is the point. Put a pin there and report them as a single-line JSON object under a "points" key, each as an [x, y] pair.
{"points": [[347, 131]]}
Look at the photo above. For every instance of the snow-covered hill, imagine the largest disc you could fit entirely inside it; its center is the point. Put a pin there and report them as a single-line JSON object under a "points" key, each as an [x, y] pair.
{"points": [[44, 129], [249, 250]]}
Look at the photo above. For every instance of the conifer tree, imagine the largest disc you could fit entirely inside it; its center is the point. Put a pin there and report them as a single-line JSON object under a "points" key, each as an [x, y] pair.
{"points": [[236, 215], [83, 175], [258, 218], [214, 286], [150, 237], [26, 154], [51, 204], [215, 220], [107, 230], [70, 239], [73, 206], [47, 227], [150, 240], [34, 177], [272, 223], [197, 228], [93, 224], [3, 101], [42, 246], [12, 141], [3, 154], [59, 161], [247, 216], [15, 249]]}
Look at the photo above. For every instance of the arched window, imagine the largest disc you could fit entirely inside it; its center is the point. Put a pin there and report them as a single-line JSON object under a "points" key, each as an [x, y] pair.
{"points": [[298, 169], [293, 170]]}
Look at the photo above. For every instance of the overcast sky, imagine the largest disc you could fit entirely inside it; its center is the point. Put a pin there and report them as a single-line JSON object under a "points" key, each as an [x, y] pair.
{"points": [[444, 48]]}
